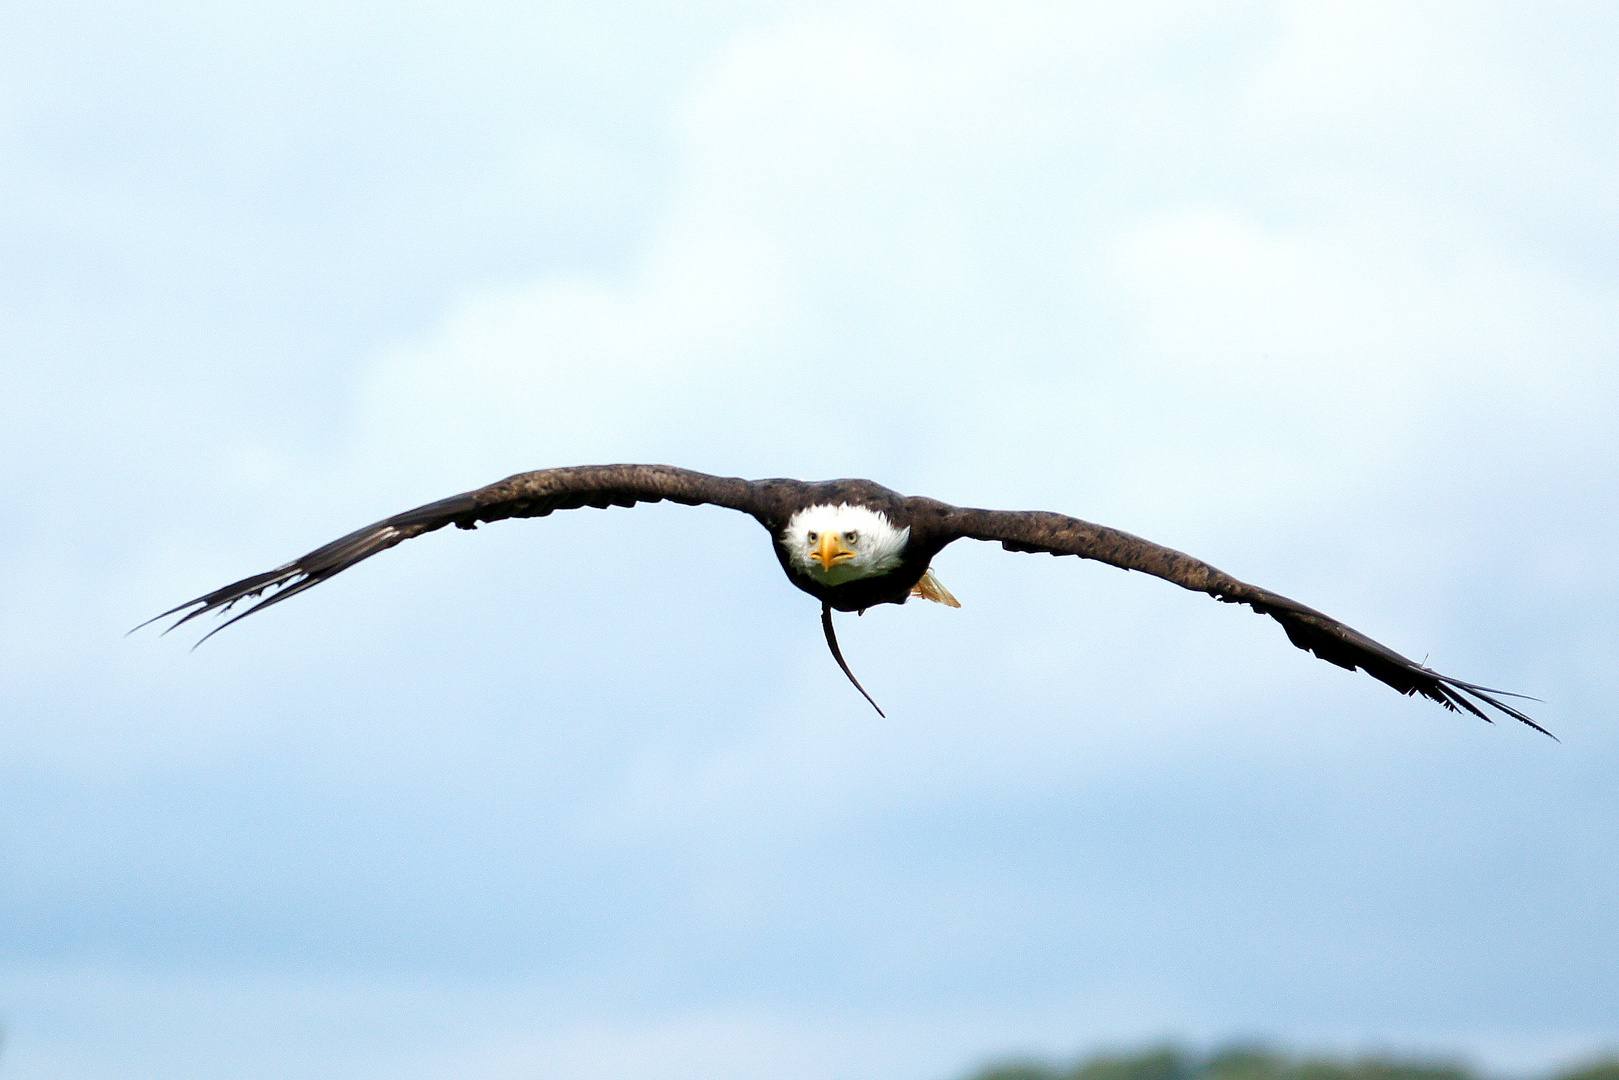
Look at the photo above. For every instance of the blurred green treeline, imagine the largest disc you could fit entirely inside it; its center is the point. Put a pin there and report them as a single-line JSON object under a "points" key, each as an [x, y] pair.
{"points": [[1261, 1063]]}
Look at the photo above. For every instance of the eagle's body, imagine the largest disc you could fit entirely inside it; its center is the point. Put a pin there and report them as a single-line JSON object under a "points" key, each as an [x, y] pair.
{"points": [[854, 544], [867, 509]]}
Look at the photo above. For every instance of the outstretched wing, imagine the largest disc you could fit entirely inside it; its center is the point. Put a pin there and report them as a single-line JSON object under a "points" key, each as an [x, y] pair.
{"points": [[531, 494], [1306, 627]]}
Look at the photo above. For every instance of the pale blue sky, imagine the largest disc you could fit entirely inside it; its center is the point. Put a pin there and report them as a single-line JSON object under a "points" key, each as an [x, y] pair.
{"points": [[1324, 293]]}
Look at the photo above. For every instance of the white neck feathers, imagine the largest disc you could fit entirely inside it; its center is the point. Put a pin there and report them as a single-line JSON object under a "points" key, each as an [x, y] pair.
{"points": [[876, 545]]}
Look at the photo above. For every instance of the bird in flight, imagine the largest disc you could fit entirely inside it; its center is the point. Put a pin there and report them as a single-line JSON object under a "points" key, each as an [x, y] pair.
{"points": [[852, 544]]}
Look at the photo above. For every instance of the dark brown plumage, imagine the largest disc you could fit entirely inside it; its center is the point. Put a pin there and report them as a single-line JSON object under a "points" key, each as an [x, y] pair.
{"points": [[932, 525]]}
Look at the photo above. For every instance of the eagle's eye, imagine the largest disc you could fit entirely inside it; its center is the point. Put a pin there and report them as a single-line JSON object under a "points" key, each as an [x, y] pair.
{"points": [[812, 537], [851, 537]]}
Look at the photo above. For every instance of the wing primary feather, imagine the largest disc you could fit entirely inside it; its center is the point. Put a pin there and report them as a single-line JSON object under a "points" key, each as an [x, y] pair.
{"points": [[837, 654], [274, 598], [1307, 628], [531, 494]]}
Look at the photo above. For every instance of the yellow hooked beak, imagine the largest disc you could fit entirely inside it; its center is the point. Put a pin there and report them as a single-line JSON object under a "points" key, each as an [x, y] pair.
{"points": [[832, 551]]}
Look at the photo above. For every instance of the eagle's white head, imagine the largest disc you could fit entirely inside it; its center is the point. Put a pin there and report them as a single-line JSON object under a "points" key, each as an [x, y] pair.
{"points": [[835, 544]]}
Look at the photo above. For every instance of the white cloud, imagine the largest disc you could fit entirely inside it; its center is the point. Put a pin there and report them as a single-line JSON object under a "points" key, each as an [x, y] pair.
{"points": [[1194, 270]]}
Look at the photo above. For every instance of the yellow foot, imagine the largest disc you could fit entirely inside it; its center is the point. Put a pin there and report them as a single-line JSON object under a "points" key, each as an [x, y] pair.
{"points": [[930, 589]]}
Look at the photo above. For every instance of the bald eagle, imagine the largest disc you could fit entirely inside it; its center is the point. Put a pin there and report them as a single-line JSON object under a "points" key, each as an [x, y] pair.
{"points": [[851, 544]]}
